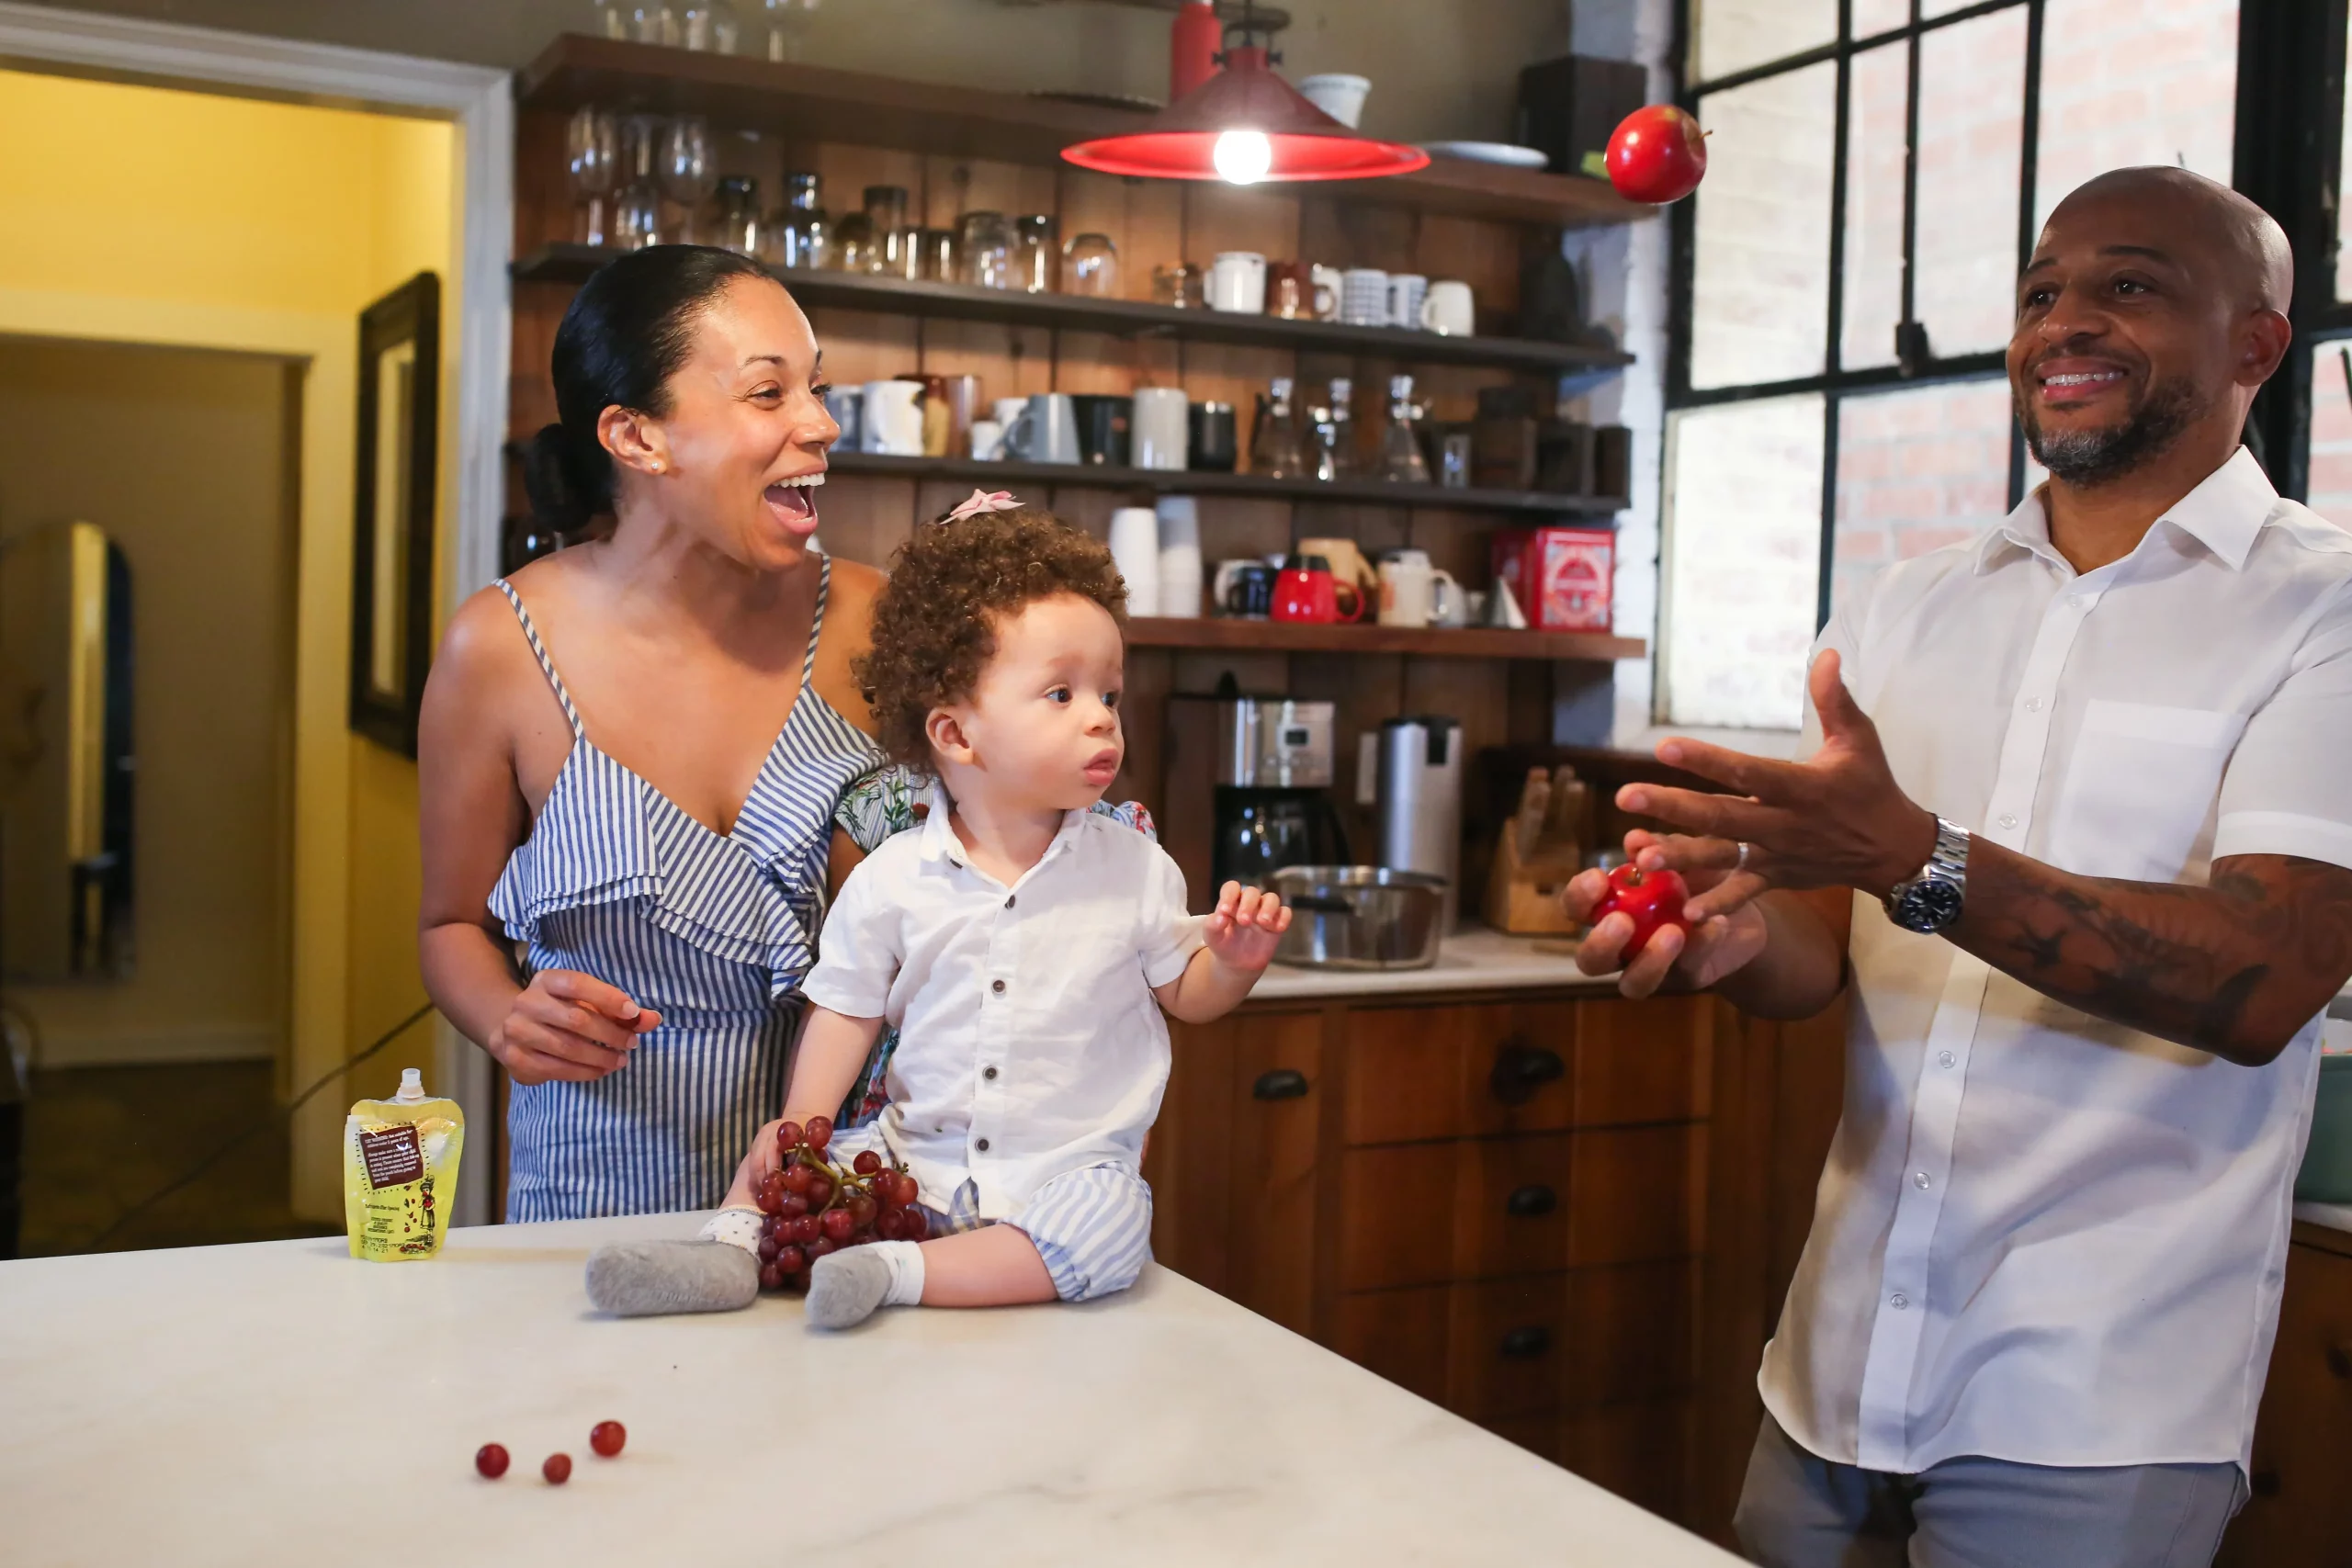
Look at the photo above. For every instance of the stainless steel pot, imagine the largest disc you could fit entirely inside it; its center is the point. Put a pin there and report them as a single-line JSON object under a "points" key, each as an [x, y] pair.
{"points": [[1360, 917]]}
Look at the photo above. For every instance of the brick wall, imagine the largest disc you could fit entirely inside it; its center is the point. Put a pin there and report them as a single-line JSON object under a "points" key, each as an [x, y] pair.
{"points": [[1917, 469]]}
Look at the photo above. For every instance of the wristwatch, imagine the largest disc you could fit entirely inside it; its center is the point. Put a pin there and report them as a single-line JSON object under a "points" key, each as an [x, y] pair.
{"points": [[1931, 901]]}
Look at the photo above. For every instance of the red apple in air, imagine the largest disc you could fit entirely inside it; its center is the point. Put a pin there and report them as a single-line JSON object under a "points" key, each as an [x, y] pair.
{"points": [[1651, 899], [1656, 155]]}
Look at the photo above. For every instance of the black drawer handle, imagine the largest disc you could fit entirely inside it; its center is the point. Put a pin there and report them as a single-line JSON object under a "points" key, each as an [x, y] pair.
{"points": [[1526, 1344], [1282, 1083], [1531, 1202], [2339, 1359], [1521, 1069]]}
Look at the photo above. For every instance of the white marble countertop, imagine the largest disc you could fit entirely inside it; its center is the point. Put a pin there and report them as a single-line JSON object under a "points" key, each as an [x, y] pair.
{"points": [[285, 1403], [1472, 959]]}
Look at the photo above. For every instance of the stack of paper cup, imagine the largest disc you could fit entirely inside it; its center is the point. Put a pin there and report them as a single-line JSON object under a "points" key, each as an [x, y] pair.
{"points": [[1179, 557], [1135, 550]]}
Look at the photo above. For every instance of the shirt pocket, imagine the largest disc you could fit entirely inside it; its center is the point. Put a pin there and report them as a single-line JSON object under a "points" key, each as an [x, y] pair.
{"points": [[2139, 788]]}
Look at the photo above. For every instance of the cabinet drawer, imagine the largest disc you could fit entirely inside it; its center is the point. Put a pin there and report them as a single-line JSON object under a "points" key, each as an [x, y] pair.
{"points": [[1426, 1213], [1638, 1451], [1401, 1335], [1455, 1072], [2301, 1511], [1571, 1341], [1510, 1345], [1644, 1060], [1639, 1193]]}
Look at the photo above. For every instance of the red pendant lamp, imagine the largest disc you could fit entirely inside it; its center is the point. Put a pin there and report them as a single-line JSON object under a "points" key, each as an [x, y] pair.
{"points": [[1244, 125]]}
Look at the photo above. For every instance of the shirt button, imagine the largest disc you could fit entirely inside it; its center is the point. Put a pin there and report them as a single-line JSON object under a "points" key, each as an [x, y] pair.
{"points": [[1009, 900], [2033, 704], [1919, 1180], [1945, 1058], [2007, 820], [997, 985], [1898, 1300], [982, 1145], [989, 1073]]}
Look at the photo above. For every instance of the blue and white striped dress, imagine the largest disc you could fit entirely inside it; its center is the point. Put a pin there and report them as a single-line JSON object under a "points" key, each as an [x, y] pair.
{"points": [[714, 933]]}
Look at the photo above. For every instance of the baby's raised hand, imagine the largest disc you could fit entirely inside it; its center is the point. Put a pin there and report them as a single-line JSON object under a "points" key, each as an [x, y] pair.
{"points": [[1245, 926]]}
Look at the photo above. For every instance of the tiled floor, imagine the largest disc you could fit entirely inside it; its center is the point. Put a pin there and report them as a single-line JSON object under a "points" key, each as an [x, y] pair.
{"points": [[99, 1140]]}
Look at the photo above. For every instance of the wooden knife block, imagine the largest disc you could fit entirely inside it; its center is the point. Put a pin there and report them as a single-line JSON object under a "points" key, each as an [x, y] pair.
{"points": [[1523, 896]]}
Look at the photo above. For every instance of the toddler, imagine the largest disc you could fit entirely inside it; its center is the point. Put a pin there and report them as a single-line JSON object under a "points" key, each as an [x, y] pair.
{"points": [[1022, 943]]}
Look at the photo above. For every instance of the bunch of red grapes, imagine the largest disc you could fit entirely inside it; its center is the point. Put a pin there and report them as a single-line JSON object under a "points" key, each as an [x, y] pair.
{"points": [[814, 1206]]}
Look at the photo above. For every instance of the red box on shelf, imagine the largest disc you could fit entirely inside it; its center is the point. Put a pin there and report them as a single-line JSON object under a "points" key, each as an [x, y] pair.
{"points": [[1561, 577]]}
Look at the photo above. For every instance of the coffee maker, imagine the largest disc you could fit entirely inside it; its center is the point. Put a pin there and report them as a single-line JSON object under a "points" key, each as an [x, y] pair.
{"points": [[1418, 796], [1248, 791]]}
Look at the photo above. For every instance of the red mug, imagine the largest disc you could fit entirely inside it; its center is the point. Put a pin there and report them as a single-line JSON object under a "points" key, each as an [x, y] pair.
{"points": [[1306, 591]]}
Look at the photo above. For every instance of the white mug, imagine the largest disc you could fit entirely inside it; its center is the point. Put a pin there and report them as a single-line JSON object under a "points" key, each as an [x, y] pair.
{"points": [[1325, 281], [1179, 557], [893, 418], [1238, 282], [1135, 550], [1045, 431], [1414, 593], [1156, 427], [1450, 310], [1406, 291], [1363, 296], [987, 441]]}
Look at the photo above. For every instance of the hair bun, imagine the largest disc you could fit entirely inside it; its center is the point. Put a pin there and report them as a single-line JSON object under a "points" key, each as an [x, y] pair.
{"points": [[560, 502]]}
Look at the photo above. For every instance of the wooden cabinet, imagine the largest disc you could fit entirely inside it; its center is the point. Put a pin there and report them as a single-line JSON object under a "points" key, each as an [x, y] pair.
{"points": [[2300, 1512], [1498, 1202]]}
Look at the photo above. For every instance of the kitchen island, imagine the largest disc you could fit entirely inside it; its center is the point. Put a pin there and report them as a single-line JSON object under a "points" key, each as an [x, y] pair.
{"points": [[283, 1403]]}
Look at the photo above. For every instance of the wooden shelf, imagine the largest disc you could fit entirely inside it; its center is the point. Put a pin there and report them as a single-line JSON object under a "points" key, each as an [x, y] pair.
{"points": [[1189, 481], [1290, 637], [818, 105], [1123, 317]]}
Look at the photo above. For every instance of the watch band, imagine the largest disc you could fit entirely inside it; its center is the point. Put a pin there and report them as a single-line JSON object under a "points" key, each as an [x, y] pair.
{"points": [[1932, 900]]}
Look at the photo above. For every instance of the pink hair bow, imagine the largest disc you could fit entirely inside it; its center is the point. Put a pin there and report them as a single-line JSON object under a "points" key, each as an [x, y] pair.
{"points": [[983, 500]]}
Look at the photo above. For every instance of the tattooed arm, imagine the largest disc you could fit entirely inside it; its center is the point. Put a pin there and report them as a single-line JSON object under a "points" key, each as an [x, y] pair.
{"points": [[2236, 967]]}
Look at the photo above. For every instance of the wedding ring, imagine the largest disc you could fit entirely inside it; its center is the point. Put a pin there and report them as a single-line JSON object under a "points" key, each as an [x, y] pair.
{"points": [[1744, 847]]}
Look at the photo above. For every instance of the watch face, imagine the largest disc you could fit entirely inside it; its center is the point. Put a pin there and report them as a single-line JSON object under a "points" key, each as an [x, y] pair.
{"points": [[1928, 906]]}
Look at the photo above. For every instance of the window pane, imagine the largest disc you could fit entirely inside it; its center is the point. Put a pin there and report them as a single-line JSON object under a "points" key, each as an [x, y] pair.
{"points": [[1759, 298], [2331, 479], [1736, 34], [1742, 551], [1971, 135], [2124, 85], [1873, 18], [1917, 469], [1876, 94]]}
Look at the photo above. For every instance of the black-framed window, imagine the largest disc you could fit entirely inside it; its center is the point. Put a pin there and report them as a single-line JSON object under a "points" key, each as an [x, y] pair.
{"points": [[1842, 286]]}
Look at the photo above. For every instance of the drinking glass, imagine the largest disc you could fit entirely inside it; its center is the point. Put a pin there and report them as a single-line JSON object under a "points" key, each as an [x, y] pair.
{"points": [[708, 25], [638, 21], [637, 209], [935, 255], [1090, 266], [787, 23], [795, 234], [1034, 259], [734, 219], [987, 251], [893, 245]]}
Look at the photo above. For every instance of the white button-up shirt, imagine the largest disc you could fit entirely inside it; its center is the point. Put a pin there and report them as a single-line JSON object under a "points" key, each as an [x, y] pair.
{"points": [[1030, 1043], [2039, 1237]]}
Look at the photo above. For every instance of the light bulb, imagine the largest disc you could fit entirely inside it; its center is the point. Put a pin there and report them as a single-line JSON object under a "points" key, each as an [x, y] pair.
{"points": [[1242, 157]]}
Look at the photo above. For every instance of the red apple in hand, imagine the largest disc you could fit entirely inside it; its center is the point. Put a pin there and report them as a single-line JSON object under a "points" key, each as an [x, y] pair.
{"points": [[1651, 899], [1656, 155]]}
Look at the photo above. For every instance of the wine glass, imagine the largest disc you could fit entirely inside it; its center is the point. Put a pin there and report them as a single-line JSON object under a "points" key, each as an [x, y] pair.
{"points": [[708, 25], [688, 165], [591, 149], [788, 27]]}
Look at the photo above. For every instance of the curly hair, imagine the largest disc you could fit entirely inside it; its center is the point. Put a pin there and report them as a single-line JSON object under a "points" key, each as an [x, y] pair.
{"points": [[950, 585]]}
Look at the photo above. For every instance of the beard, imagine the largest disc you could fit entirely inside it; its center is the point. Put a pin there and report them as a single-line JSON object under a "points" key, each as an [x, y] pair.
{"points": [[2089, 458]]}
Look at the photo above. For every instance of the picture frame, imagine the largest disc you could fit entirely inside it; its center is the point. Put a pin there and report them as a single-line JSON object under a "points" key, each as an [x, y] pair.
{"points": [[396, 466]]}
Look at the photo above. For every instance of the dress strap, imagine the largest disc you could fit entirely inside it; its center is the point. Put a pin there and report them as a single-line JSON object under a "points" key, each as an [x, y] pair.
{"points": [[816, 622], [554, 680]]}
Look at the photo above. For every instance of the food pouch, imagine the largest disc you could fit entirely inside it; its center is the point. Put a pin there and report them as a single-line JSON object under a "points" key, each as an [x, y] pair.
{"points": [[400, 1172]]}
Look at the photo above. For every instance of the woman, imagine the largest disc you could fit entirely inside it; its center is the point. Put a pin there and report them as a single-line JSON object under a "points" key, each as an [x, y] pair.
{"points": [[654, 823]]}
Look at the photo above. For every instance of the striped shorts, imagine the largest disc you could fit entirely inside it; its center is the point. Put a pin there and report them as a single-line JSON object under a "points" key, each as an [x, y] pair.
{"points": [[1092, 1227]]}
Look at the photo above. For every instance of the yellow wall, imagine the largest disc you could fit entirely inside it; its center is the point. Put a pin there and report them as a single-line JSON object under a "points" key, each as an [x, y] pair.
{"points": [[153, 215]]}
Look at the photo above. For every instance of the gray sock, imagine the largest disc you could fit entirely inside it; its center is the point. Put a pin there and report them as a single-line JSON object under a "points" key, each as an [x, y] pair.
{"points": [[846, 1287], [649, 1278]]}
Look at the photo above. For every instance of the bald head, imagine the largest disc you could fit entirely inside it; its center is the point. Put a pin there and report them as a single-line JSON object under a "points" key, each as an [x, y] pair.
{"points": [[2231, 242]]}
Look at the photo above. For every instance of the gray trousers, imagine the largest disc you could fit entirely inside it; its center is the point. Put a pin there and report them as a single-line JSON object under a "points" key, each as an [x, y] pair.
{"points": [[1798, 1510]]}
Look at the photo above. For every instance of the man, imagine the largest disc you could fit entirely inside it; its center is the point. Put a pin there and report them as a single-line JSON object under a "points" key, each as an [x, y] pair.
{"points": [[2090, 777]]}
